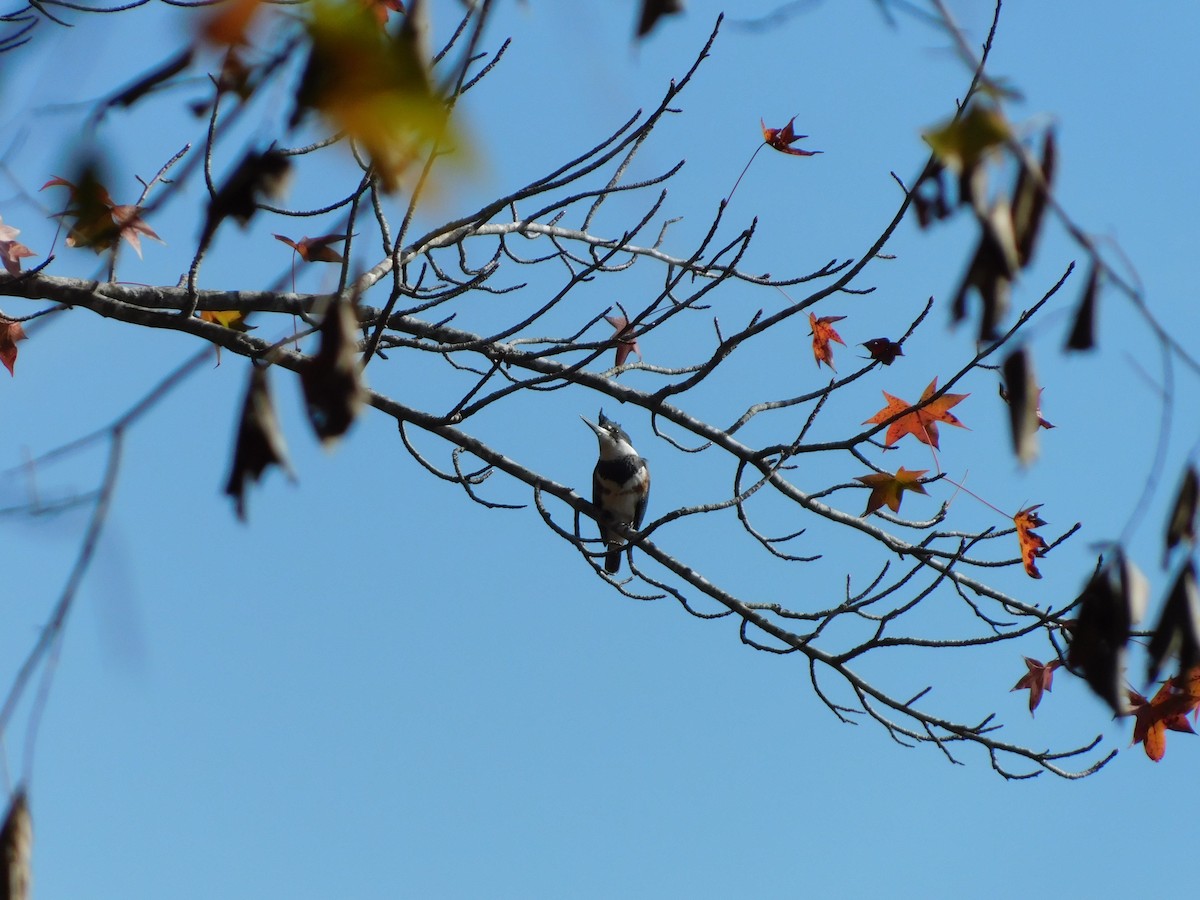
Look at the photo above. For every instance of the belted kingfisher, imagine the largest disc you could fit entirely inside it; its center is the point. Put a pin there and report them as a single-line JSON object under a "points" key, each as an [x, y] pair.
{"points": [[620, 485]]}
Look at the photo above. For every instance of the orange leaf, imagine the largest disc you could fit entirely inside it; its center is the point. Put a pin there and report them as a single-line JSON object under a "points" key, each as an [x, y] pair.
{"points": [[1032, 545], [822, 333], [781, 139], [921, 420], [230, 24], [888, 489], [1039, 678], [1154, 718], [10, 332]]}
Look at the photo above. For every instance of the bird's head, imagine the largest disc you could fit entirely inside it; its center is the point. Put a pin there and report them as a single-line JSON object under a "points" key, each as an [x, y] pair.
{"points": [[614, 442]]}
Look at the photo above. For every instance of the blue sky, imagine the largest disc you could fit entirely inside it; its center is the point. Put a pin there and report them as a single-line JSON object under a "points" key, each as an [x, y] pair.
{"points": [[377, 688]]}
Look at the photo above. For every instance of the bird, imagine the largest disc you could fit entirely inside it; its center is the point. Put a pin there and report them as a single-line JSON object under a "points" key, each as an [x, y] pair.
{"points": [[620, 485]]}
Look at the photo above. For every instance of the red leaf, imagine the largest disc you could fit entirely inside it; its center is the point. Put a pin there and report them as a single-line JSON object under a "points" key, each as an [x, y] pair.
{"points": [[12, 251], [129, 222], [316, 249], [781, 139], [822, 333], [10, 332], [1039, 678], [625, 338]]}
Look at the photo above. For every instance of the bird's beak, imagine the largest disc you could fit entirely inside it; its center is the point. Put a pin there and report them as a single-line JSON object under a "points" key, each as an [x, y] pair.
{"points": [[589, 424]]}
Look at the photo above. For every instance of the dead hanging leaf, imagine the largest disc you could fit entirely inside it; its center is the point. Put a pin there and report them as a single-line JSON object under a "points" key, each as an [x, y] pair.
{"points": [[627, 341], [1154, 718], [376, 89], [1033, 547], [887, 489], [964, 142], [1181, 526], [1029, 201], [883, 350], [10, 332], [257, 175], [1039, 679], [930, 196], [921, 421], [260, 440], [822, 333], [1021, 390], [332, 378], [990, 273], [316, 249], [12, 251], [1083, 326], [653, 10], [89, 210], [1178, 630], [16, 849], [1109, 605], [781, 139]]}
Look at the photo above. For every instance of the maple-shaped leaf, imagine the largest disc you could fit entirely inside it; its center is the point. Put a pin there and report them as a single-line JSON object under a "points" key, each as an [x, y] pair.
{"points": [[781, 139], [98, 222], [10, 332], [822, 333], [332, 378], [259, 440], [1181, 525], [1032, 545], [887, 489], [1178, 630], [627, 341], [12, 251], [128, 219], [1038, 679], [1167, 711], [1109, 605], [316, 249], [91, 224], [919, 421], [653, 10], [883, 350], [16, 849]]}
